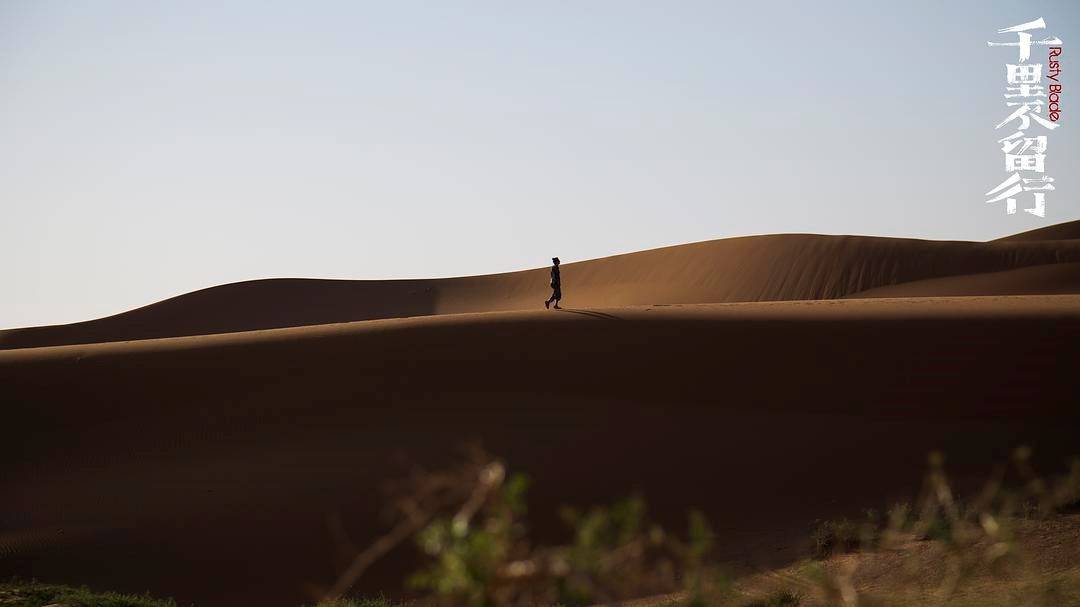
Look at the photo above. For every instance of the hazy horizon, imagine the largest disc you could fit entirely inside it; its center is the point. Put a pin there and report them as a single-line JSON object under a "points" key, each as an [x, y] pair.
{"points": [[151, 149]]}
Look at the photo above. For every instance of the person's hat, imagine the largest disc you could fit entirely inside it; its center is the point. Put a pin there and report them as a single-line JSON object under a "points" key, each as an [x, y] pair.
{"points": [[555, 259]]}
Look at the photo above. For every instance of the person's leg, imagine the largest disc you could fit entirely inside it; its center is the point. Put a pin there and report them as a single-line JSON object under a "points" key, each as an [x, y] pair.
{"points": [[557, 295]]}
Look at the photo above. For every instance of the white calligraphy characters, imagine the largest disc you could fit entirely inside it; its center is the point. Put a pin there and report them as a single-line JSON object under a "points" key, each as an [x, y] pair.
{"points": [[1024, 156]]}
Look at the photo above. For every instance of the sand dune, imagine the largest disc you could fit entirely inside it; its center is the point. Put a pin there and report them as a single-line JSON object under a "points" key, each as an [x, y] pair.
{"points": [[1061, 231], [1049, 279], [756, 268], [160, 464], [204, 458]]}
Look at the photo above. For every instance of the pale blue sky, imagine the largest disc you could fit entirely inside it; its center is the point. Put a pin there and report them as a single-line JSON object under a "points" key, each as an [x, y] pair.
{"points": [[152, 148]]}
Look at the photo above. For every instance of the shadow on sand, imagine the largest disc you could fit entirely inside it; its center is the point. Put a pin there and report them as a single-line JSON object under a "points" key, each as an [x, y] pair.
{"points": [[592, 313]]}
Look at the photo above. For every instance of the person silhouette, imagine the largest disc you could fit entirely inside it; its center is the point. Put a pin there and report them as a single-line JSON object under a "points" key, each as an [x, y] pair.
{"points": [[556, 285]]}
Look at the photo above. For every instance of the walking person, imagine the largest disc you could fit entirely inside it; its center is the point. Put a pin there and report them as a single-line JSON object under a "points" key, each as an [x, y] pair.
{"points": [[556, 285]]}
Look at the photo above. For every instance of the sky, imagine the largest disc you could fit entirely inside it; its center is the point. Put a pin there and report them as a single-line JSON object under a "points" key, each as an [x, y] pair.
{"points": [[148, 149]]}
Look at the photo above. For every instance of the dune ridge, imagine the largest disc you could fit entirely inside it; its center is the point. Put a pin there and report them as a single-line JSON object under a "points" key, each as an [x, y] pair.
{"points": [[781, 267], [1062, 231]]}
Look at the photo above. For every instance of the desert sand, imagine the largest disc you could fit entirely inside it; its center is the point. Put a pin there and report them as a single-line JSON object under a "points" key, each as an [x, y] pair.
{"points": [[783, 267], [207, 447]]}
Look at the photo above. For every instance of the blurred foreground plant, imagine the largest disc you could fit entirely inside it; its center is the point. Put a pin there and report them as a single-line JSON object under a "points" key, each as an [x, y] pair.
{"points": [[469, 522], [977, 536], [479, 553]]}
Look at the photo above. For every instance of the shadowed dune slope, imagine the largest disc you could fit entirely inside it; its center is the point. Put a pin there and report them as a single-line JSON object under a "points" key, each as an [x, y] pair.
{"points": [[228, 469], [755, 268], [1049, 279]]}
